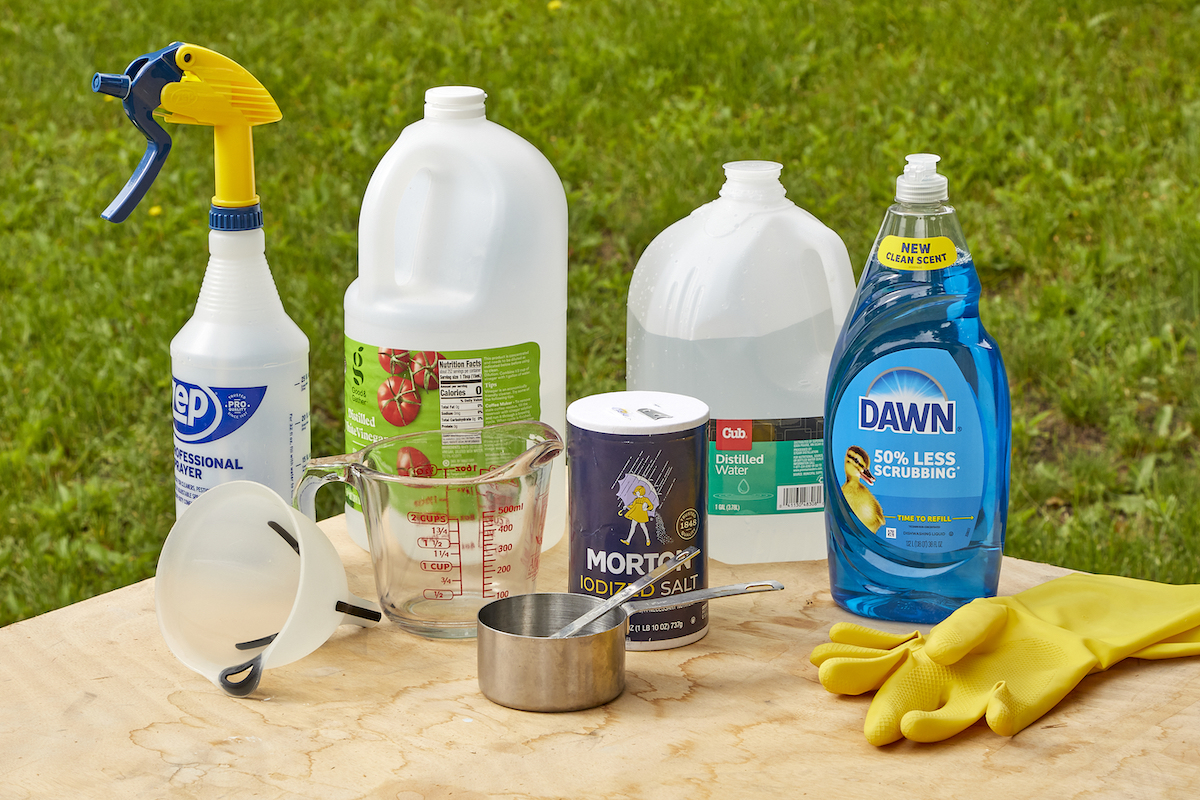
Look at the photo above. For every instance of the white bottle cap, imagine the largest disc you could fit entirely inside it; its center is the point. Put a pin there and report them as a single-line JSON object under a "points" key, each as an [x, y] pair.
{"points": [[753, 180], [637, 413], [454, 102], [921, 182]]}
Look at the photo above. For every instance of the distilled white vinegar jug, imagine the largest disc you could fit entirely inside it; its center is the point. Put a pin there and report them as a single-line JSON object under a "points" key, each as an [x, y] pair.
{"points": [[458, 316]]}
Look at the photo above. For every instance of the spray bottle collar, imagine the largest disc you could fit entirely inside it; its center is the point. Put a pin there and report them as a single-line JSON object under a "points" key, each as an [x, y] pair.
{"points": [[246, 218]]}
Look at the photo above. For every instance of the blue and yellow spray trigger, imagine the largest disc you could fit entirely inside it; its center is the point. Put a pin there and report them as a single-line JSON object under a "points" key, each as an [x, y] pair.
{"points": [[192, 85]]}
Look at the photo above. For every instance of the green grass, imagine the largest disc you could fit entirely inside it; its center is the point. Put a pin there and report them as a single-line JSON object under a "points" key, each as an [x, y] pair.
{"points": [[1070, 133]]}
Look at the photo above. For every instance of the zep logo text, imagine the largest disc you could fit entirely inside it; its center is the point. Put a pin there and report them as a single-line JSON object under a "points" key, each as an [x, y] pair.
{"points": [[195, 408], [207, 413]]}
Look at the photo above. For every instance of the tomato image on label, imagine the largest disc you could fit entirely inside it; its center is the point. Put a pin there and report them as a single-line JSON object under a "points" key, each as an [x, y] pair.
{"points": [[394, 362], [425, 368], [411, 461], [398, 401]]}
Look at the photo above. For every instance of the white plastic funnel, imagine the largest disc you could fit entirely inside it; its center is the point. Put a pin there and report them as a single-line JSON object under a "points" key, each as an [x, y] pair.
{"points": [[245, 583]]}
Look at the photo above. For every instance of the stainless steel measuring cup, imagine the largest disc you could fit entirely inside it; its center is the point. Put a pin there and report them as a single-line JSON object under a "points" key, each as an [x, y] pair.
{"points": [[521, 667], [454, 518]]}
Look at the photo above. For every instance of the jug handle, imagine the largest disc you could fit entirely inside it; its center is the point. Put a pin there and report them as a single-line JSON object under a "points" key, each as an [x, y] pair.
{"points": [[377, 253], [317, 473], [841, 282]]}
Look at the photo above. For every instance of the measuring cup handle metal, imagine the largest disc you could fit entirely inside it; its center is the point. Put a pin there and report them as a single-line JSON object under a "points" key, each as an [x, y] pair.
{"points": [[696, 595], [317, 473]]}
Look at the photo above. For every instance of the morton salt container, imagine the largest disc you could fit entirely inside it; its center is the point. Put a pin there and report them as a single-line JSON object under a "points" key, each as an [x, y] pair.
{"points": [[458, 317], [637, 499], [739, 304], [918, 425]]}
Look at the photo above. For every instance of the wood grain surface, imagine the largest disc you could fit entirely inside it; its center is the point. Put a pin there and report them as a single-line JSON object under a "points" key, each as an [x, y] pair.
{"points": [[93, 704]]}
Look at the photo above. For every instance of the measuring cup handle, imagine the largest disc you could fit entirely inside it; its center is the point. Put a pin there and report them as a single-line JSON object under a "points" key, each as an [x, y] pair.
{"points": [[317, 473], [696, 595]]}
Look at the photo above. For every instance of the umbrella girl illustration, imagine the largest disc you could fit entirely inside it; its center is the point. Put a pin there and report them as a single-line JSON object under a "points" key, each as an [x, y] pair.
{"points": [[640, 500]]}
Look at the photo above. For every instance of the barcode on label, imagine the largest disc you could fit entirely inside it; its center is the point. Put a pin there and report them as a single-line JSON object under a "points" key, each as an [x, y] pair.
{"points": [[790, 498]]}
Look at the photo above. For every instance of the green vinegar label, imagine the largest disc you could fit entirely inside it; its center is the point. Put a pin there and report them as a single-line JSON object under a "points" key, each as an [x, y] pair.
{"points": [[391, 391], [765, 466]]}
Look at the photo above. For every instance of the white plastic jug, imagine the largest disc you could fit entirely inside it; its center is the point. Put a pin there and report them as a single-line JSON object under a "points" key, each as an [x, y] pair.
{"points": [[458, 316], [739, 304]]}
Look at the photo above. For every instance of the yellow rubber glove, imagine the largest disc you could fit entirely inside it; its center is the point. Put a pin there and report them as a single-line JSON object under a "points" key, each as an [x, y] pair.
{"points": [[1009, 659], [1185, 644]]}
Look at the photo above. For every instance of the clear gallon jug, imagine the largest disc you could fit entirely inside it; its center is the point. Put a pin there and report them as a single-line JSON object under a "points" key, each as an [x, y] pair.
{"points": [[458, 316], [918, 425], [739, 305]]}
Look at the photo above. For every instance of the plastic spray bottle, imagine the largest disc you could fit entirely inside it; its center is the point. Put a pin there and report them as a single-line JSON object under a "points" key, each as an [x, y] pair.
{"points": [[739, 304], [458, 317], [918, 425], [239, 397]]}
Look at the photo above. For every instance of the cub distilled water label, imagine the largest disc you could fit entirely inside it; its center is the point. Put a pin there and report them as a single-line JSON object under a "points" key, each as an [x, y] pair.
{"points": [[765, 466]]}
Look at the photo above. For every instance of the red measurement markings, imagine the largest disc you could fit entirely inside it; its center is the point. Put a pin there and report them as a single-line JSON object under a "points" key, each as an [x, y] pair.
{"points": [[487, 537], [495, 554], [434, 543], [445, 560]]}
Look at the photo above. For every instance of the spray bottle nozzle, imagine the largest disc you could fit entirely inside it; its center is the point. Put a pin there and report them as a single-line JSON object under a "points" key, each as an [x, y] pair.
{"points": [[194, 86], [116, 85], [140, 88]]}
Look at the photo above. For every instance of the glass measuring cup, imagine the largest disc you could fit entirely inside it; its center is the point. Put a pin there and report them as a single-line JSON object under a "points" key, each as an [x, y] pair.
{"points": [[454, 518]]}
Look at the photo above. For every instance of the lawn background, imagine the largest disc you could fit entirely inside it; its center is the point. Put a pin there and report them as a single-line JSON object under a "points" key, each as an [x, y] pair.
{"points": [[1070, 133]]}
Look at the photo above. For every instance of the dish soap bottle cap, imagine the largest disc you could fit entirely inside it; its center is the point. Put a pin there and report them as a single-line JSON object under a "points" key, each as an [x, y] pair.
{"points": [[921, 182]]}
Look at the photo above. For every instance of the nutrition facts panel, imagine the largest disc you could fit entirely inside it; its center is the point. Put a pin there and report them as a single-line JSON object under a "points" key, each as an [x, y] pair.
{"points": [[461, 392]]}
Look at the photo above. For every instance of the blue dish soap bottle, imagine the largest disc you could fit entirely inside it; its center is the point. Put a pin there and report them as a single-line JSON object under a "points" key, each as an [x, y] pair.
{"points": [[918, 425]]}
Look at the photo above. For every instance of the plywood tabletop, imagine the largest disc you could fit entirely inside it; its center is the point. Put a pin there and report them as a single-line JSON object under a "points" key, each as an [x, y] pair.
{"points": [[93, 704]]}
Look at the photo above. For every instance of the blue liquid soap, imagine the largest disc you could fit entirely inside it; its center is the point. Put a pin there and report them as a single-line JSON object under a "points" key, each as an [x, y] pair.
{"points": [[918, 425]]}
